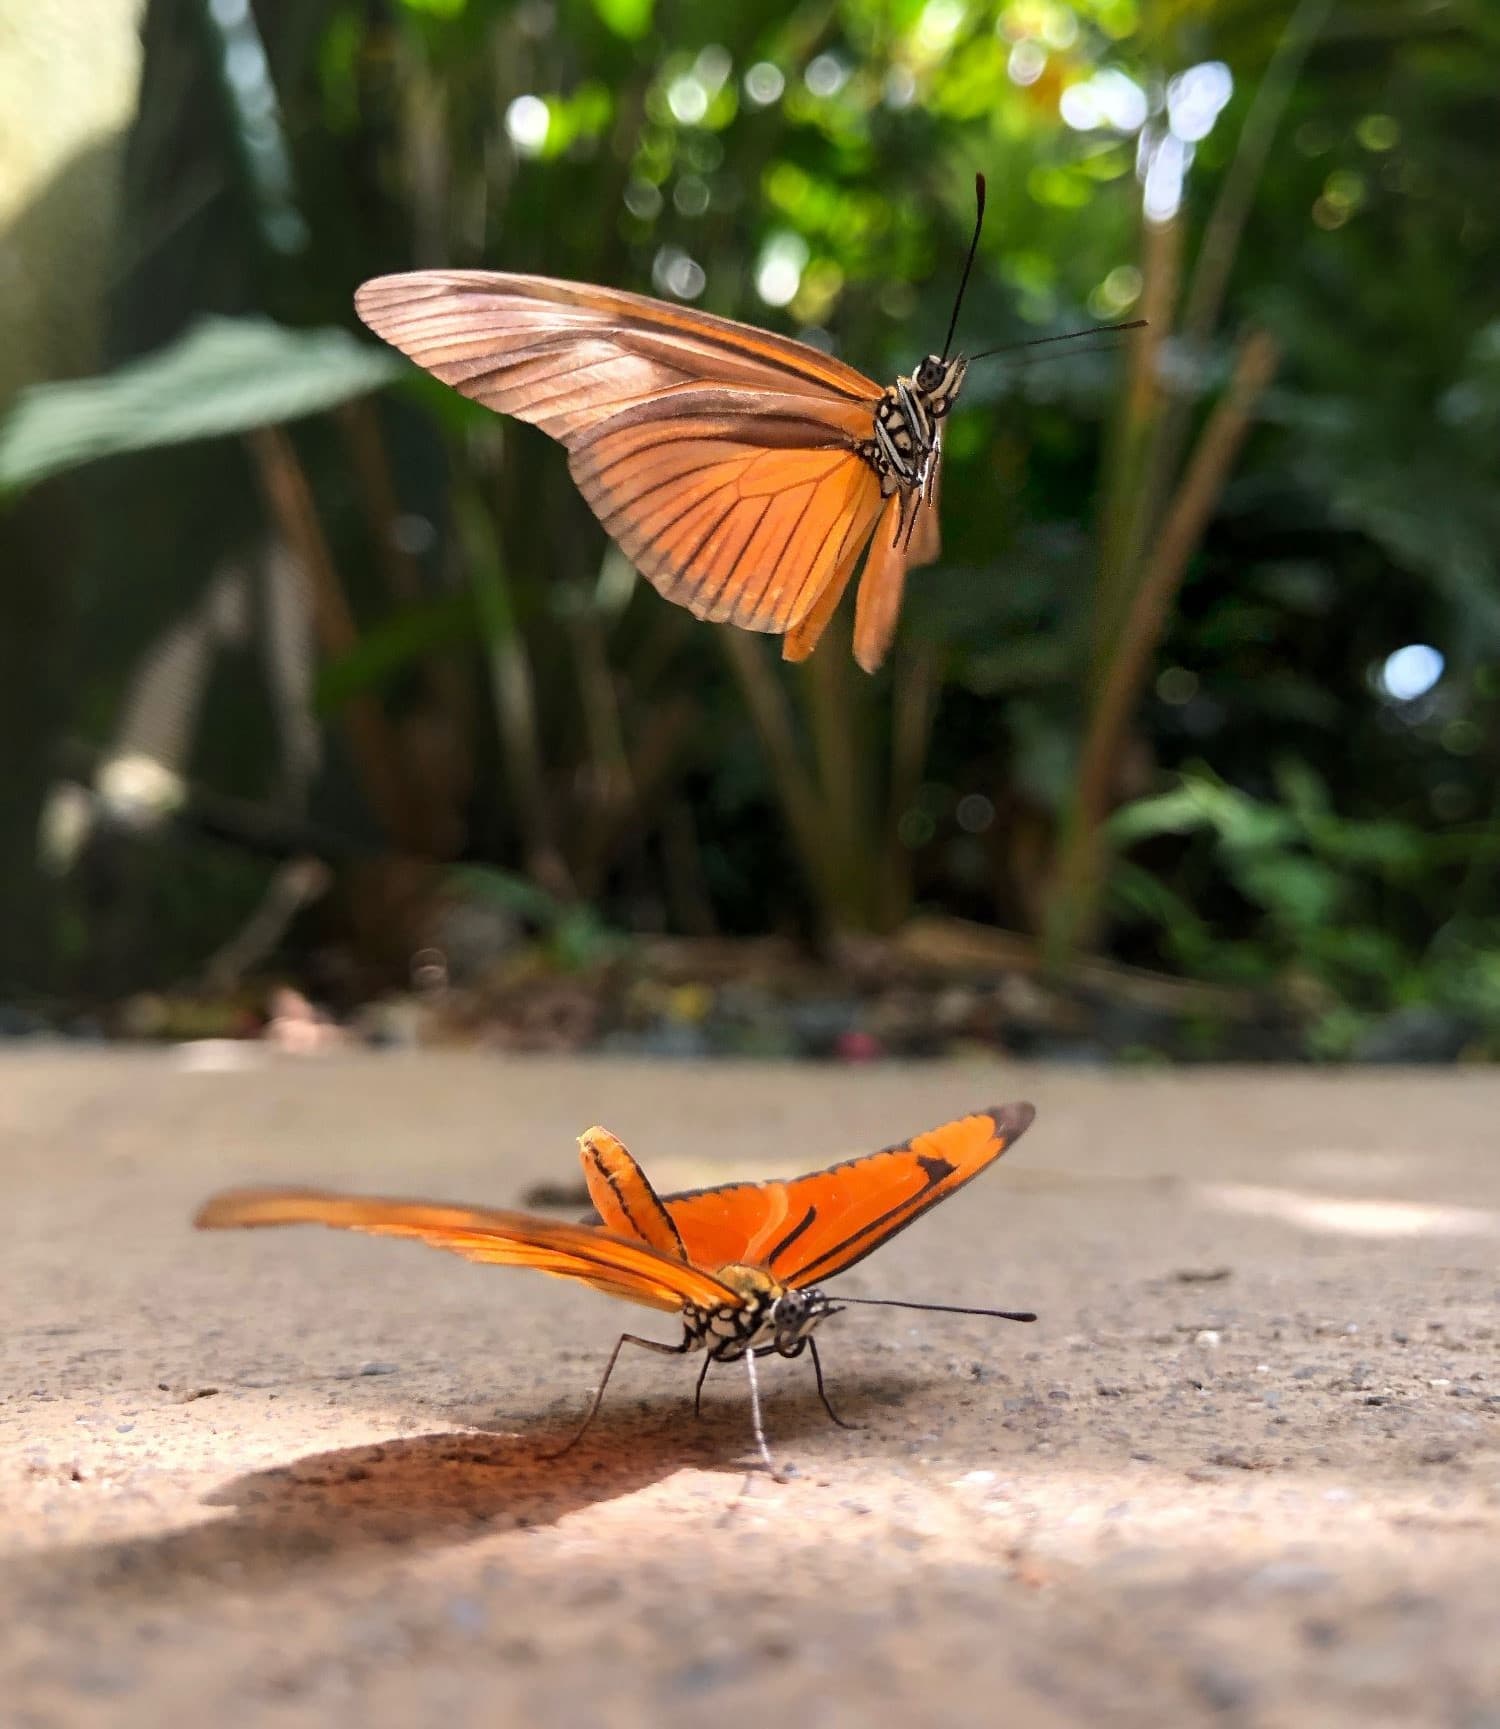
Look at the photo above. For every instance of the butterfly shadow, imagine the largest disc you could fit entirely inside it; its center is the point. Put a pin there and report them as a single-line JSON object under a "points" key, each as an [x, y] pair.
{"points": [[433, 1491]]}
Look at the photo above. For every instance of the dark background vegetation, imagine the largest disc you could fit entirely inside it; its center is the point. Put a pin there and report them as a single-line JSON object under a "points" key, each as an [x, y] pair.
{"points": [[314, 672]]}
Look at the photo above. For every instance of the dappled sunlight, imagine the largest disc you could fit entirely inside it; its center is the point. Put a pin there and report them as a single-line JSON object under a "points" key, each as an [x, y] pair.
{"points": [[1340, 1215]]}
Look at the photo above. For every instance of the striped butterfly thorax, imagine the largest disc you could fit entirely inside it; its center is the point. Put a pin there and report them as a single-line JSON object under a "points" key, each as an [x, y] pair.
{"points": [[742, 473], [741, 1263]]}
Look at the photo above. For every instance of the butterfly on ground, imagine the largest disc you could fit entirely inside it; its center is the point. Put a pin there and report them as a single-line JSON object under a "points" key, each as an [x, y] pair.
{"points": [[742, 1263], [742, 473]]}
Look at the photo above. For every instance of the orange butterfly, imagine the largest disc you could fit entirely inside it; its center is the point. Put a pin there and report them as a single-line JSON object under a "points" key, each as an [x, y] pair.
{"points": [[739, 1262], [742, 473]]}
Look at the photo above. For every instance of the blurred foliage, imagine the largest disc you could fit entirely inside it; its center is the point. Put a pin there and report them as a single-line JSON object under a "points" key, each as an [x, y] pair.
{"points": [[1176, 564], [224, 376], [1352, 915]]}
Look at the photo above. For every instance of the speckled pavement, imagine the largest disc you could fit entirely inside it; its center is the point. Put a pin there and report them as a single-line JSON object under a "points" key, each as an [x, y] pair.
{"points": [[1244, 1471]]}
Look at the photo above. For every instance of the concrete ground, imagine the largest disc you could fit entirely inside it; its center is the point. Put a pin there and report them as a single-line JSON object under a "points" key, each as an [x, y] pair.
{"points": [[1243, 1471]]}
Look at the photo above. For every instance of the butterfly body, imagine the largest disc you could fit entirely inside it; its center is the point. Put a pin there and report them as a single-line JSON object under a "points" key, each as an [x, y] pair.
{"points": [[741, 1264], [769, 1318], [907, 441]]}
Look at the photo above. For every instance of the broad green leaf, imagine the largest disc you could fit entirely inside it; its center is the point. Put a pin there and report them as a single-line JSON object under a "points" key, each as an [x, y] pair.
{"points": [[224, 376]]}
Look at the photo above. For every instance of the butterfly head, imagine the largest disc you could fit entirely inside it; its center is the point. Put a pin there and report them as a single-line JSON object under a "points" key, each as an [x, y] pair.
{"points": [[939, 382], [795, 1314], [770, 1316]]}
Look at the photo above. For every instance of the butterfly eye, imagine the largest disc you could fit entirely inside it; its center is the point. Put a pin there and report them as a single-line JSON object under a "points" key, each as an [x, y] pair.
{"points": [[930, 373]]}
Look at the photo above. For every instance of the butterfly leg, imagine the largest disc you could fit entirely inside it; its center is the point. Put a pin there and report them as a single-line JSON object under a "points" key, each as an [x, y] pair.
{"points": [[817, 1362], [609, 1369], [698, 1390]]}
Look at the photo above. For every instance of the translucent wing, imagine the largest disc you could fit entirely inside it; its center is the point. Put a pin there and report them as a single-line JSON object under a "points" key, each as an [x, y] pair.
{"points": [[813, 1227], [720, 458], [724, 517], [566, 355], [632, 1270], [892, 554], [881, 586], [805, 635]]}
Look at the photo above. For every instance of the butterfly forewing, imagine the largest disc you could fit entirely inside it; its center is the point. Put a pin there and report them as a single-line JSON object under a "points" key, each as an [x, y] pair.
{"points": [[623, 1198], [814, 1227], [622, 1268], [516, 343]]}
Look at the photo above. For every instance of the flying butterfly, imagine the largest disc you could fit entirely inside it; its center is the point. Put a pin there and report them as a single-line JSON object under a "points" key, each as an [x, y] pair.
{"points": [[742, 1263], [742, 473]]}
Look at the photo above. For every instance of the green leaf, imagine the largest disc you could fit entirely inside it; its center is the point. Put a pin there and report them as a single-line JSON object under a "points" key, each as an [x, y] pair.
{"points": [[1242, 825], [1392, 849], [503, 888], [628, 18], [1133, 890], [224, 376], [1300, 892]]}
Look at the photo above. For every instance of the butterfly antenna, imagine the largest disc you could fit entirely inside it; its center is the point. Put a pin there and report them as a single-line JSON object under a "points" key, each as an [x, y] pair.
{"points": [[963, 281], [939, 1308], [1067, 336]]}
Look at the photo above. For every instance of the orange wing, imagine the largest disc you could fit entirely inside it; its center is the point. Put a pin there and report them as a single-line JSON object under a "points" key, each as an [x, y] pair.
{"points": [[738, 515], [565, 355], [814, 1227], [891, 556], [620, 1268], [719, 457], [881, 586], [803, 637], [623, 1198]]}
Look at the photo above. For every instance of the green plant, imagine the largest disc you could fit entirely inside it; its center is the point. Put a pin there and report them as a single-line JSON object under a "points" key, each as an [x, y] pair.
{"points": [[1340, 907]]}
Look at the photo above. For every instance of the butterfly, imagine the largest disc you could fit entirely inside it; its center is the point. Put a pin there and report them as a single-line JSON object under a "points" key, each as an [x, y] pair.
{"points": [[742, 473], [742, 1263]]}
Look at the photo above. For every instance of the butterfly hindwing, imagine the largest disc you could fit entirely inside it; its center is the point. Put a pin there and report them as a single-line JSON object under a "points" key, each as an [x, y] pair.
{"points": [[814, 1227], [881, 585], [743, 519]]}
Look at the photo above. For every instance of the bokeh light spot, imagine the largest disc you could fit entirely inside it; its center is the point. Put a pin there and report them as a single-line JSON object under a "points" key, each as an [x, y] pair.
{"points": [[527, 122], [1411, 672]]}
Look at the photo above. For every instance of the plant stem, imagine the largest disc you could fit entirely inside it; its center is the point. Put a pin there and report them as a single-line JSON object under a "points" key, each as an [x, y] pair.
{"points": [[513, 691], [1223, 232], [771, 714], [1074, 902], [836, 715], [376, 752], [1124, 525], [916, 685]]}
